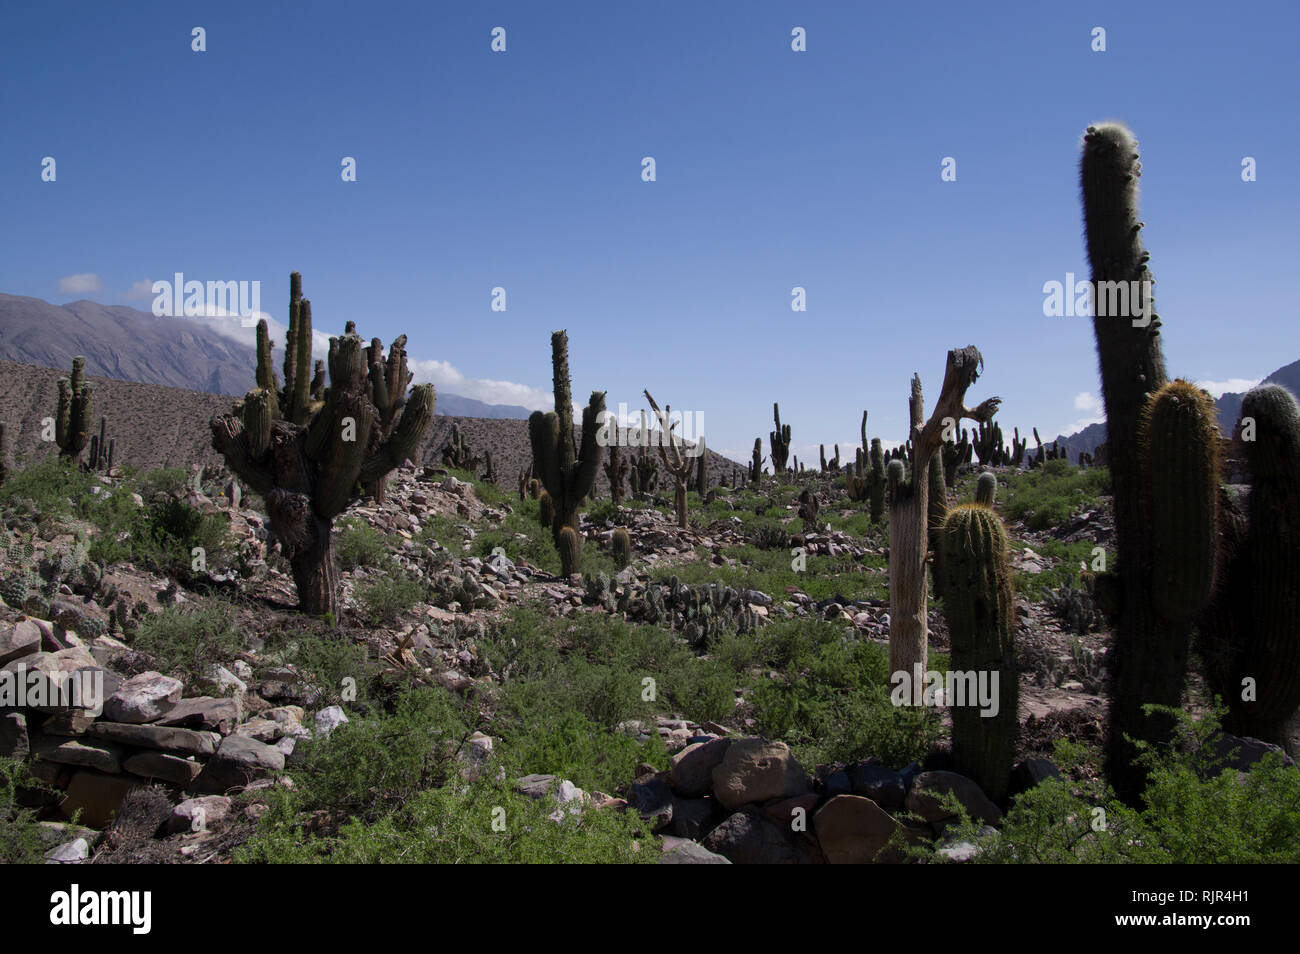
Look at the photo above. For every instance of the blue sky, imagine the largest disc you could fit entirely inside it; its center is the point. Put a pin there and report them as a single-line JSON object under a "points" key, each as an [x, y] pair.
{"points": [[775, 169]]}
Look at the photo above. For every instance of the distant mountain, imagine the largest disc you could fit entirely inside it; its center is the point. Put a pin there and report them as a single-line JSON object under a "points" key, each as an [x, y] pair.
{"points": [[1228, 405], [126, 344]]}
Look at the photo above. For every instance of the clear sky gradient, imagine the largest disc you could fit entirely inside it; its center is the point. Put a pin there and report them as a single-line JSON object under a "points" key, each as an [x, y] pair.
{"points": [[775, 168]]}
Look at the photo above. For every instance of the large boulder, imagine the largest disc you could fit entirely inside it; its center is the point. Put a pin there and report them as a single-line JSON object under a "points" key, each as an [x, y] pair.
{"points": [[749, 838], [690, 771], [23, 639], [925, 798], [853, 830], [143, 698], [755, 770], [238, 761]]}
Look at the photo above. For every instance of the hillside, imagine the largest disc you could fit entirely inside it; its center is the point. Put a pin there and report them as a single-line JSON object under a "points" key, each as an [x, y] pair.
{"points": [[157, 426]]}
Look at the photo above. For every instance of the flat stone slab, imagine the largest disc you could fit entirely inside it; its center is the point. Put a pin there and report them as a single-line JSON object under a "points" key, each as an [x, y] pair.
{"points": [[163, 738]]}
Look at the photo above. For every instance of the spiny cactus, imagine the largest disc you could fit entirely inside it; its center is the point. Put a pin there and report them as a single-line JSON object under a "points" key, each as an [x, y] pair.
{"points": [[102, 449], [307, 458], [616, 466], [702, 469], [76, 403], [535, 489], [974, 577], [525, 476], [1252, 628], [567, 473], [986, 489], [386, 384], [457, 454], [756, 462], [876, 481], [1150, 649], [545, 509], [678, 464], [622, 547], [780, 441]]}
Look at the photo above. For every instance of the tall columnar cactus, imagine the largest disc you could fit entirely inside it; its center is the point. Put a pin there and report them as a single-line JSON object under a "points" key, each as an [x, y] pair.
{"points": [[780, 441], [986, 489], [616, 467], [458, 454], [702, 469], [1150, 650], [756, 462], [567, 472], [102, 449], [937, 509], [909, 507], [876, 481], [386, 385], [974, 577], [309, 458], [72, 426], [1252, 628], [678, 464]]}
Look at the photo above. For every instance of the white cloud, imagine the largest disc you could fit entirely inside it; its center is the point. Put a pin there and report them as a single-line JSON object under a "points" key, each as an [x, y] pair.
{"points": [[1234, 385], [140, 289], [1087, 401], [446, 376], [443, 375], [81, 284]]}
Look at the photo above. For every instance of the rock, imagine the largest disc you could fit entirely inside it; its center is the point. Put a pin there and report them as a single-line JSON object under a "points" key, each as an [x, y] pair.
{"points": [[199, 814], [653, 801], [475, 755], [755, 770], [1031, 772], [69, 853], [853, 830], [792, 811], [882, 785], [160, 765], [70, 723], [85, 753], [1225, 751], [206, 712], [331, 717], [923, 798], [837, 783], [143, 698], [163, 738], [691, 769], [693, 817], [96, 796], [222, 681], [683, 851], [14, 743], [238, 761], [259, 729], [288, 720], [747, 838], [23, 640], [535, 786]]}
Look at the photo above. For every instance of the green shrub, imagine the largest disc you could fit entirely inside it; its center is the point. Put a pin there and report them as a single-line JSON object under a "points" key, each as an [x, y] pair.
{"points": [[360, 544], [20, 835], [185, 640], [384, 600]]}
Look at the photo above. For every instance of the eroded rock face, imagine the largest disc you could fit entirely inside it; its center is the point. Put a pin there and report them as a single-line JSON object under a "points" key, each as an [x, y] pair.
{"points": [[755, 770]]}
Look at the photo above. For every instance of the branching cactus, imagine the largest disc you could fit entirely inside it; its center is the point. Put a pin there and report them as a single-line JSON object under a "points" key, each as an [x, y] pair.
{"points": [[72, 426], [1249, 641], [678, 464], [780, 441], [909, 507], [876, 481], [974, 577], [616, 467], [103, 449], [308, 459], [386, 385], [567, 472]]}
